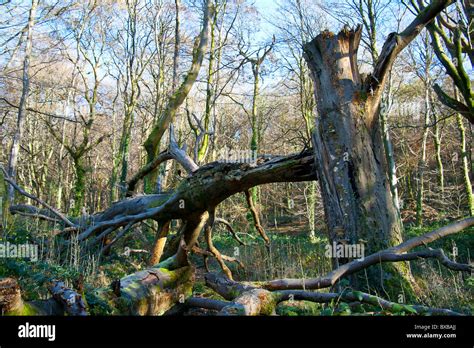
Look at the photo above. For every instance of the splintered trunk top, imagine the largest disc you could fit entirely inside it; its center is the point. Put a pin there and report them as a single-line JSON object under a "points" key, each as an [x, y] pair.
{"points": [[348, 148]]}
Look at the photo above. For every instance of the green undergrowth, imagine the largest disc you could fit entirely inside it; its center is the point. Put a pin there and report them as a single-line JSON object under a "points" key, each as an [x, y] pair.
{"points": [[290, 255]]}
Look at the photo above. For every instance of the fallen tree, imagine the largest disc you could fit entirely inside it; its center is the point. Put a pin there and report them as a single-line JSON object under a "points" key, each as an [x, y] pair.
{"points": [[149, 292], [355, 193], [250, 301], [158, 289], [63, 301], [191, 202]]}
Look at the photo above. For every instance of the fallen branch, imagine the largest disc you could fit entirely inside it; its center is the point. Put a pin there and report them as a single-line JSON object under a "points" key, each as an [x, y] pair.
{"points": [[200, 251], [361, 297], [202, 191], [159, 243], [394, 254], [206, 303], [59, 215], [70, 300], [173, 152], [230, 229], [250, 300]]}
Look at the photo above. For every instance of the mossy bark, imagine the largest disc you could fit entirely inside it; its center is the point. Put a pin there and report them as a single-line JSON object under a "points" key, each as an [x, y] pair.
{"points": [[4, 203], [12, 304], [149, 292], [79, 186], [348, 149]]}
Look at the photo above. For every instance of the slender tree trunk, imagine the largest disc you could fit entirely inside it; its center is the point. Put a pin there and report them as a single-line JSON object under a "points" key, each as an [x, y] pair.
{"points": [[439, 160], [177, 43], [254, 141], [386, 104], [4, 204], [306, 108], [124, 147], [59, 193], [209, 93], [465, 160], [79, 185], [465, 166], [311, 204], [14, 151], [422, 161]]}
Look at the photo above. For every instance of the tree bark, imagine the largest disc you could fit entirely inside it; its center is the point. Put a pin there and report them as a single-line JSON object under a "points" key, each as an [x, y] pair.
{"points": [[347, 138], [152, 143], [12, 166], [349, 157]]}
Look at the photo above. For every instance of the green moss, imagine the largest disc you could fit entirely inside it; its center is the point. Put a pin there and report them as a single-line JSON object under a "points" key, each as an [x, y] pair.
{"points": [[25, 310], [268, 307], [397, 282], [201, 290], [100, 301], [298, 308], [157, 202]]}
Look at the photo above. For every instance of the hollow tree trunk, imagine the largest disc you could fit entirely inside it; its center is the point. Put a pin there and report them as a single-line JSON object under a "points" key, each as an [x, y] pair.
{"points": [[348, 148], [347, 138]]}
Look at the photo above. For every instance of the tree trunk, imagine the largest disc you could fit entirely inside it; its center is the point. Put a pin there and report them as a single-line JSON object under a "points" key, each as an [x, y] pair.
{"points": [[422, 161], [210, 102], [439, 160], [464, 159], [4, 204], [465, 166], [12, 166], [79, 185], [348, 149], [152, 143]]}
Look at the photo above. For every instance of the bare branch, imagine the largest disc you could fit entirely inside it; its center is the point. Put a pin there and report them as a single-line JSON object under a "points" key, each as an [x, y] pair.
{"points": [[61, 216]]}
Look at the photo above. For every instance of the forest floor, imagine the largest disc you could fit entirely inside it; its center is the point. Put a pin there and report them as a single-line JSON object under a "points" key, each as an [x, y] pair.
{"points": [[291, 254]]}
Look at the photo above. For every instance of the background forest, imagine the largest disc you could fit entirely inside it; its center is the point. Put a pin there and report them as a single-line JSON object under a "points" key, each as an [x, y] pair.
{"points": [[93, 92]]}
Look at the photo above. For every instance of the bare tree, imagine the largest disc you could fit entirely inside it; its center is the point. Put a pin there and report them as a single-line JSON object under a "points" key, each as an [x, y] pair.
{"points": [[15, 148]]}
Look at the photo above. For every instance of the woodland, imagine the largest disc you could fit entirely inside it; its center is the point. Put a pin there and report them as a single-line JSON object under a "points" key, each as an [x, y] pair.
{"points": [[236, 157]]}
